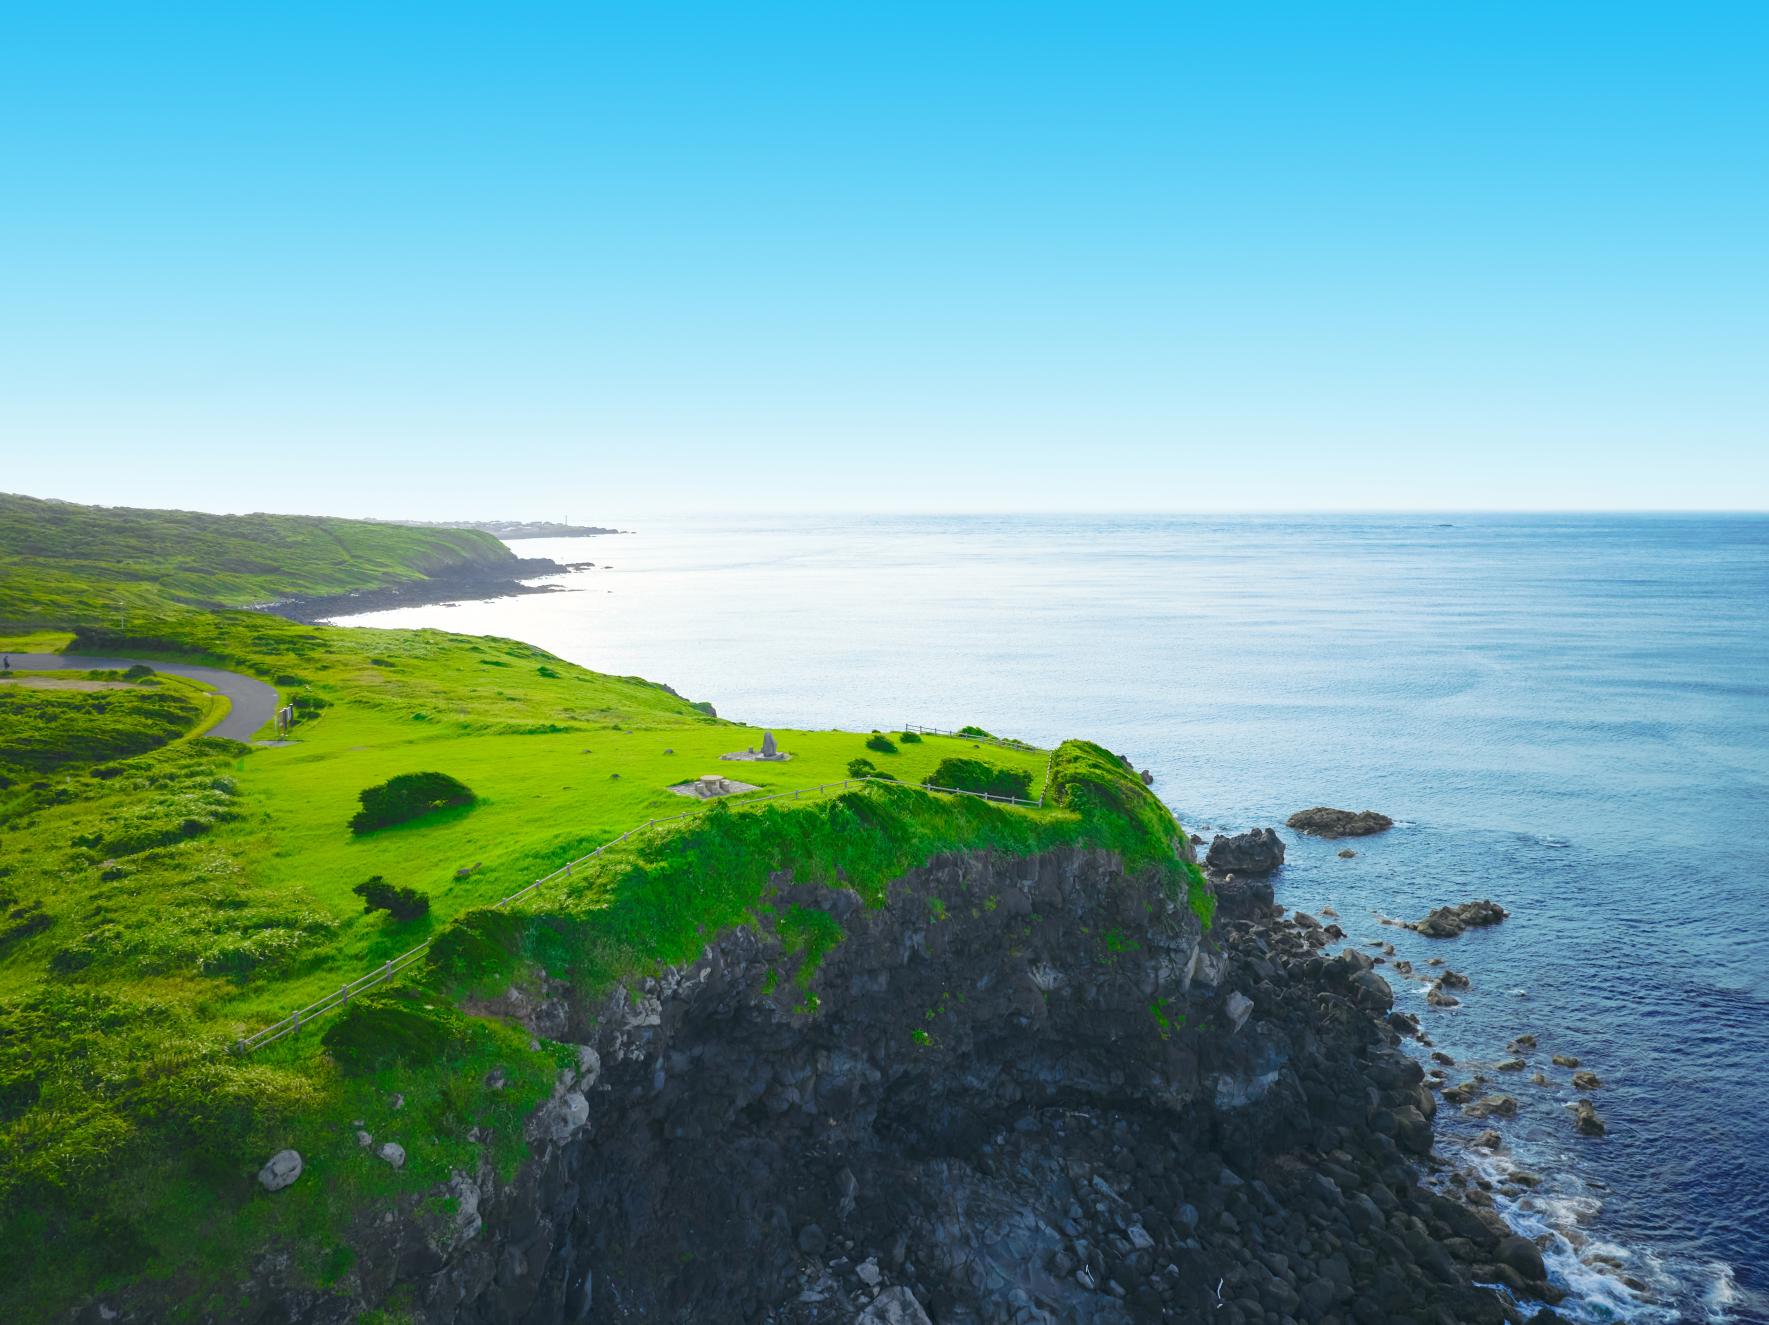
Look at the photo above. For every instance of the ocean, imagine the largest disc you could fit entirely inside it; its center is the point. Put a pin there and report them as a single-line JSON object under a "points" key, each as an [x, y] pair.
{"points": [[1568, 714]]}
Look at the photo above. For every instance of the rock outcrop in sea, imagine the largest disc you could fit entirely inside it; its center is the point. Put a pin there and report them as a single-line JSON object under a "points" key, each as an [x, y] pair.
{"points": [[1054, 1097], [1324, 821], [1258, 852], [1446, 922]]}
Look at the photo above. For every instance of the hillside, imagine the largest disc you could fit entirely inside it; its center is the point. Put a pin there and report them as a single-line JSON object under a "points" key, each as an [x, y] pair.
{"points": [[159, 905], [65, 563]]}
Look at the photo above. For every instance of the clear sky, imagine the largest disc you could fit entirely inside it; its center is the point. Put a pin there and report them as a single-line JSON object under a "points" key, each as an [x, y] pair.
{"points": [[608, 259]]}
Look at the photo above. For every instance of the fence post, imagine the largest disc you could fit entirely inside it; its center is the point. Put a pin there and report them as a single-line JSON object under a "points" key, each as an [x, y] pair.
{"points": [[296, 1017], [344, 995], [387, 971]]}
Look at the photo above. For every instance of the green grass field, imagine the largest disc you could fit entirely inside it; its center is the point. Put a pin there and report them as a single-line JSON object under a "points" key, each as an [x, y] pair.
{"points": [[163, 894]]}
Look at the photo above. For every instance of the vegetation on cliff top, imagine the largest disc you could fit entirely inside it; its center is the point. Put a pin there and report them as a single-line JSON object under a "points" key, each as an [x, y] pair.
{"points": [[155, 906]]}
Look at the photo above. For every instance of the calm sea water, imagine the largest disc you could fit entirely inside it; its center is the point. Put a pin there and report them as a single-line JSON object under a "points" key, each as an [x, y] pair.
{"points": [[1568, 714]]}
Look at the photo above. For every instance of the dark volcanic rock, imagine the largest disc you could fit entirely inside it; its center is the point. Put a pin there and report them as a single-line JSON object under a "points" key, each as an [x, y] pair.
{"points": [[1322, 821], [1258, 852], [1448, 921], [998, 1117], [1244, 899]]}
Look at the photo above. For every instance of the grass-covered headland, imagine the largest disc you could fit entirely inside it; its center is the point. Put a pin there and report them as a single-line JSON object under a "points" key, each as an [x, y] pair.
{"points": [[163, 893]]}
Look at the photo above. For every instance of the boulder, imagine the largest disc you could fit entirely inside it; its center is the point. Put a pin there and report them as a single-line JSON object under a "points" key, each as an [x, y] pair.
{"points": [[1412, 1130], [393, 1153], [568, 1116], [1585, 1119], [1323, 821], [1586, 1080], [1446, 922], [1371, 991], [1488, 1105], [894, 1306], [1242, 899], [1238, 1007], [280, 1170], [1258, 852], [1523, 1256], [1565, 1060]]}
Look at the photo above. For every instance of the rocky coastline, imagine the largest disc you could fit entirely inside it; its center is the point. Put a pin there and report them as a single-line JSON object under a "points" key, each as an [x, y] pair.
{"points": [[1052, 1097], [465, 582]]}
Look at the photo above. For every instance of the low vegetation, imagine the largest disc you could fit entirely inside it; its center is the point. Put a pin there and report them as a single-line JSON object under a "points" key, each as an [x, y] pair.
{"points": [[406, 797], [58, 726], [963, 774], [400, 903]]}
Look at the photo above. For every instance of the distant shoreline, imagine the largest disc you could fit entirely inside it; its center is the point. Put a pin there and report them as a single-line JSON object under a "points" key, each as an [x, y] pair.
{"points": [[467, 583], [514, 530]]}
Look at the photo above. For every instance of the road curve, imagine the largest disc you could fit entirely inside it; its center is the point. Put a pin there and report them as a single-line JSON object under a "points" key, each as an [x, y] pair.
{"points": [[252, 702]]}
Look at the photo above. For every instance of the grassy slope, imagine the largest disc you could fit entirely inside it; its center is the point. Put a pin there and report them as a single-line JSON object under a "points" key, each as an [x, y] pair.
{"points": [[150, 916], [65, 725], [64, 563]]}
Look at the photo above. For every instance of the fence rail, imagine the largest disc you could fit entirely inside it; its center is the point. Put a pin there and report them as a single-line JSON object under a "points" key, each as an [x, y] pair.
{"points": [[1003, 741], [341, 996]]}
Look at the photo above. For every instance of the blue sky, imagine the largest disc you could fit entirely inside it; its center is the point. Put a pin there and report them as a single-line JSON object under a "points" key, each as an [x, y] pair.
{"points": [[526, 260]]}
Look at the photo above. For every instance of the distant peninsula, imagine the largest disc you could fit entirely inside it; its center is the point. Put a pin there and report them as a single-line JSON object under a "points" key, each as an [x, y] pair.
{"points": [[513, 529]]}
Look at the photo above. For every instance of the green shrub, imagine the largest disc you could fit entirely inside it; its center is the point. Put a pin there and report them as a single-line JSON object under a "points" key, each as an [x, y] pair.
{"points": [[477, 945], [391, 1026], [975, 731], [976, 775], [861, 768], [401, 903], [136, 672], [910, 738], [406, 797], [882, 743]]}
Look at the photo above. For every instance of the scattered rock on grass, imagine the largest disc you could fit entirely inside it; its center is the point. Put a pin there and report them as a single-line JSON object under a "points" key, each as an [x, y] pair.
{"points": [[280, 1170]]}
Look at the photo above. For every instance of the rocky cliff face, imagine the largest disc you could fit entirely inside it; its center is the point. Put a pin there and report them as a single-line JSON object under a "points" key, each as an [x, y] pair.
{"points": [[1028, 1090]]}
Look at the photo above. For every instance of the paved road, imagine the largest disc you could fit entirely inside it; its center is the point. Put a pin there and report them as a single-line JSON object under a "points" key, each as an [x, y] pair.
{"points": [[253, 703]]}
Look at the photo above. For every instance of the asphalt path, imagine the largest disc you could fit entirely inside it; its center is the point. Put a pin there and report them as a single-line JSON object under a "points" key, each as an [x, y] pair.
{"points": [[252, 703]]}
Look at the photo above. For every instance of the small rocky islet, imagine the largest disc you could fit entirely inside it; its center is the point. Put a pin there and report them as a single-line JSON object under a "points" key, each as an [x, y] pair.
{"points": [[1324, 821]]}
